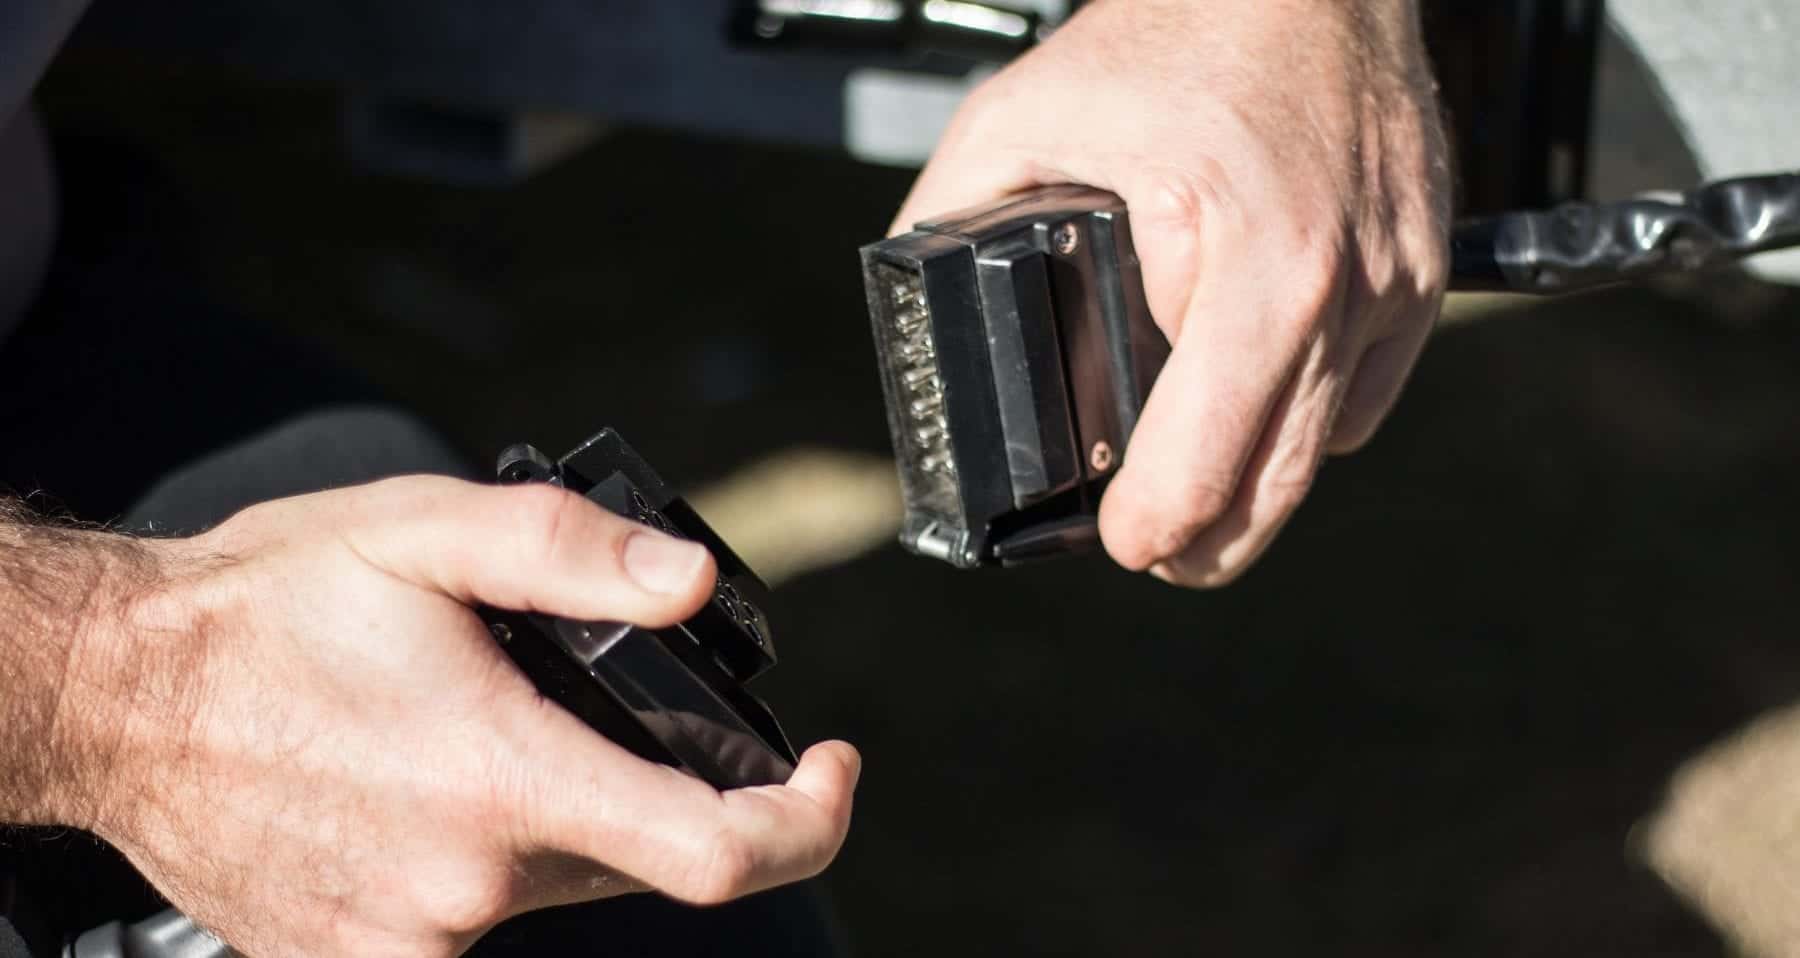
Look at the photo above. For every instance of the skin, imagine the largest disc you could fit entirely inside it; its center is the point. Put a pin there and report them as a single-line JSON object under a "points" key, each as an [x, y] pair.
{"points": [[298, 730], [1285, 171], [305, 693]]}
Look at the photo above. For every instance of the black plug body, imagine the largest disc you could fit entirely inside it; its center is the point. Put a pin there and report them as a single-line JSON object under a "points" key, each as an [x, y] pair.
{"points": [[1016, 352], [675, 695]]}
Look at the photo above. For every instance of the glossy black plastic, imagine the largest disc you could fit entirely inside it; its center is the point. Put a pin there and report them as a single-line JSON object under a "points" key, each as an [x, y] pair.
{"points": [[965, 29], [675, 695], [1041, 352]]}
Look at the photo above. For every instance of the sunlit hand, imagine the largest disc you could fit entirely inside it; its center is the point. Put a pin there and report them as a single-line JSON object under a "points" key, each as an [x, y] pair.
{"points": [[1286, 177], [315, 747]]}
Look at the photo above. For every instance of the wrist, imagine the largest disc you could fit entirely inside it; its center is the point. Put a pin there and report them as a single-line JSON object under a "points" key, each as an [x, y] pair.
{"points": [[64, 596]]}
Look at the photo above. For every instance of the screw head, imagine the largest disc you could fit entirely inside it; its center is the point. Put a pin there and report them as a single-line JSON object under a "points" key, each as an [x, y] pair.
{"points": [[1101, 457], [1067, 238]]}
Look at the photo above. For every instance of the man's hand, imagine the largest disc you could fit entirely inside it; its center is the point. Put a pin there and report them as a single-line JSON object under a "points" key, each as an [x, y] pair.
{"points": [[1286, 176], [313, 746]]}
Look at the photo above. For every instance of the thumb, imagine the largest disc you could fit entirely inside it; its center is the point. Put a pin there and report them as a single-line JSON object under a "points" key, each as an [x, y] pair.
{"points": [[530, 548]]}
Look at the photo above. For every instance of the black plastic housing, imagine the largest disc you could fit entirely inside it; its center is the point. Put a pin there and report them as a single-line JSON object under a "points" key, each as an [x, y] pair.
{"points": [[1016, 353], [991, 32], [675, 695]]}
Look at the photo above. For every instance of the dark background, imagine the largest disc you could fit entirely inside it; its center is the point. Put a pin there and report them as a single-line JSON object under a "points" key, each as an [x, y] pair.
{"points": [[1427, 722]]}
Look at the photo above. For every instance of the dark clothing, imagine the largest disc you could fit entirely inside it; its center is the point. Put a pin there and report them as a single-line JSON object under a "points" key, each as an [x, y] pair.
{"points": [[30, 32]]}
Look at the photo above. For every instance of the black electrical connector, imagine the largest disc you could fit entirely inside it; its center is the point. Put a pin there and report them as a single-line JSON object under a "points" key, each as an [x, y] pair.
{"points": [[1016, 353], [1016, 348], [972, 30], [675, 695]]}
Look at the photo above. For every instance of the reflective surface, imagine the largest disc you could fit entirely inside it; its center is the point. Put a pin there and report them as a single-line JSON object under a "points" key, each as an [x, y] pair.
{"points": [[671, 695]]}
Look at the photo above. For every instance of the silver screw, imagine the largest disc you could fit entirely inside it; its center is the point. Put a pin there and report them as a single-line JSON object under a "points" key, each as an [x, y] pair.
{"points": [[502, 633], [1067, 238], [1101, 457]]}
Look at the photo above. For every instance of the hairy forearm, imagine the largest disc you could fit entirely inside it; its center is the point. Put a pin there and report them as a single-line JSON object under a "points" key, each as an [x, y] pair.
{"points": [[61, 590]]}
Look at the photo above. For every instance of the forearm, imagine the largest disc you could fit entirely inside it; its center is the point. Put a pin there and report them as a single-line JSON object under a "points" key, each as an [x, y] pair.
{"points": [[62, 590]]}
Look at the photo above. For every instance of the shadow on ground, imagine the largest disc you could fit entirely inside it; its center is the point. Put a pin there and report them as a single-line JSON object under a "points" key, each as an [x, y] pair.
{"points": [[1427, 722]]}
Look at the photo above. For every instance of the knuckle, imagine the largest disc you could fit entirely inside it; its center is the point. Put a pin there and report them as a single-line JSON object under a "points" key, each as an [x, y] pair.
{"points": [[466, 900], [819, 857], [1431, 272], [1289, 476], [1382, 271], [253, 523], [727, 867], [1198, 507], [1407, 274], [1289, 486], [398, 497], [542, 515], [1317, 285], [258, 514], [1204, 504], [1192, 195]]}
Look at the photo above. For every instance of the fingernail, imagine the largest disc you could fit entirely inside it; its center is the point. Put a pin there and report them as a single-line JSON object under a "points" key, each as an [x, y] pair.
{"points": [[662, 564]]}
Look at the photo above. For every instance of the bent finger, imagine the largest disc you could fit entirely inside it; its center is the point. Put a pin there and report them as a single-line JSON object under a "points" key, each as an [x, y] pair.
{"points": [[1239, 344], [1275, 481], [675, 833], [1376, 385]]}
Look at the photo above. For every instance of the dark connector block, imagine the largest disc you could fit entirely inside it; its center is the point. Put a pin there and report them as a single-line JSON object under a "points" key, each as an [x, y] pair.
{"points": [[675, 695], [1016, 352]]}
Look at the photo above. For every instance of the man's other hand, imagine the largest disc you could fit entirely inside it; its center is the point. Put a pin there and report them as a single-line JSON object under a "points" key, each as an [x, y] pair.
{"points": [[317, 748], [1285, 171]]}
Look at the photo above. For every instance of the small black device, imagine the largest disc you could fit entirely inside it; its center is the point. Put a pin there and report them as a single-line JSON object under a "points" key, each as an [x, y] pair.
{"points": [[675, 695], [1016, 352], [957, 29]]}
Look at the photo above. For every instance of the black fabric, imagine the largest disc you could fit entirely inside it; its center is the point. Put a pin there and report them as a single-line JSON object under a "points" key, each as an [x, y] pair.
{"points": [[790, 922], [22, 930], [328, 449], [30, 32], [114, 381], [124, 370], [11, 945]]}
